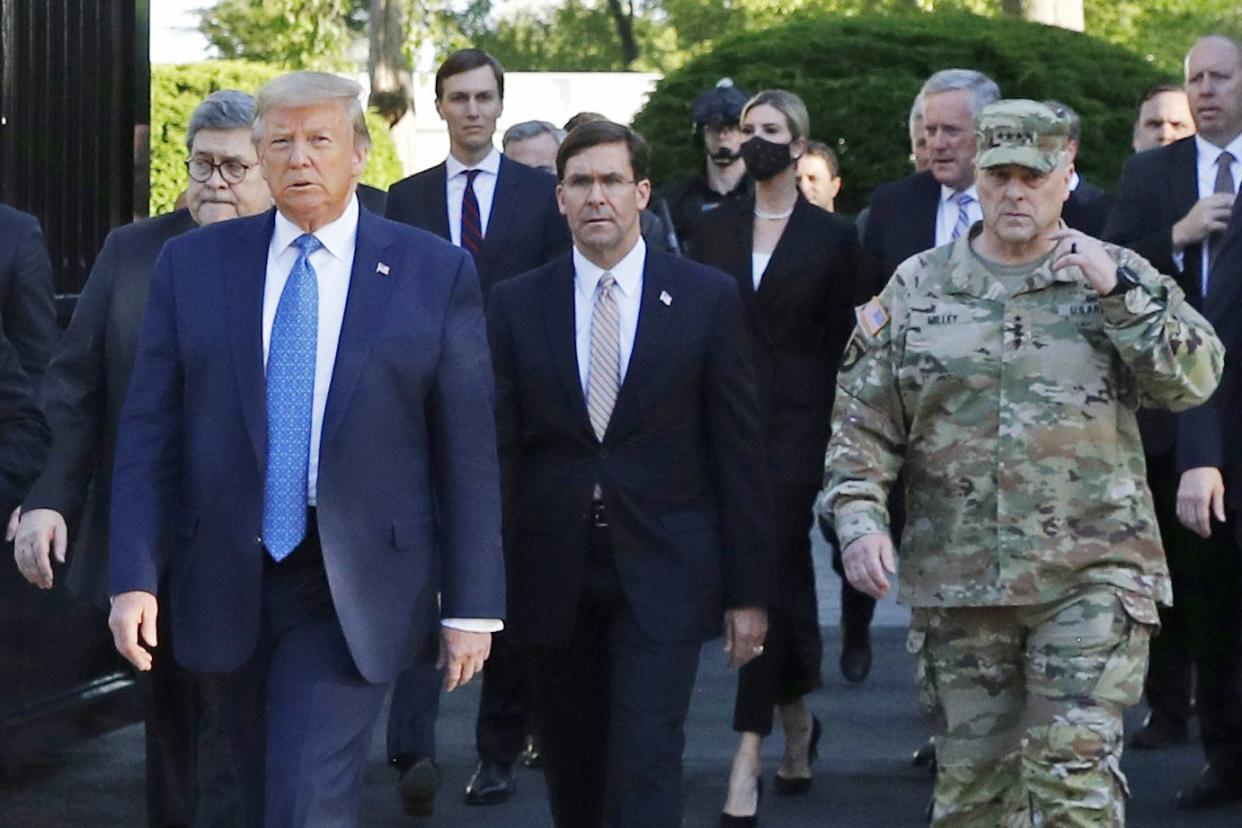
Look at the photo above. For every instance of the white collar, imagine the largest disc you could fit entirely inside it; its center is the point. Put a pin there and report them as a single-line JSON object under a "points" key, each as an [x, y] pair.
{"points": [[628, 272], [1209, 152], [490, 164], [947, 192], [336, 237], [1074, 181]]}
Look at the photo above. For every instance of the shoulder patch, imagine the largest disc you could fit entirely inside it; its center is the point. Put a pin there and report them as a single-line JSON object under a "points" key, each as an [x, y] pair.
{"points": [[872, 317]]}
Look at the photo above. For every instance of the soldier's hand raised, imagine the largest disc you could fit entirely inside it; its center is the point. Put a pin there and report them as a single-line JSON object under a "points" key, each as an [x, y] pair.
{"points": [[1076, 249], [867, 562]]}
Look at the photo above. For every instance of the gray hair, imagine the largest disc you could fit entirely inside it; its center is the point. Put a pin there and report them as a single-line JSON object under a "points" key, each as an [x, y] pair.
{"points": [[916, 115], [223, 109], [788, 104], [983, 90], [531, 129], [299, 89], [1067, 112]]}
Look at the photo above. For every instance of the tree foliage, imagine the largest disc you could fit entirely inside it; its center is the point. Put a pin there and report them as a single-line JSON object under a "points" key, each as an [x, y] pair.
{"points": [[177, 90], [858, 76], [292, 34]]}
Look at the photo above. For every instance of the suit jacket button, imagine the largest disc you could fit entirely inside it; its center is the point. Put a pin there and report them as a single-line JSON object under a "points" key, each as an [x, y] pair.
{"points": [[258, 541]]}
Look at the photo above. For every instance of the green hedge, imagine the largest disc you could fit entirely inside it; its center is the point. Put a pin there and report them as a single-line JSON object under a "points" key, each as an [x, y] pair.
{"points": [[176, 90], [859, 76]]}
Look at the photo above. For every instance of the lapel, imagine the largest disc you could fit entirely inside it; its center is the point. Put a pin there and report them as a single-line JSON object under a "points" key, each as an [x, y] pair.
{"points": [[432, 205], [557, 291], [506, 201], [921, 214], [650, 343], [245, 264], [786, 245], [365, 306], [1183, 192], [1223, 292]]}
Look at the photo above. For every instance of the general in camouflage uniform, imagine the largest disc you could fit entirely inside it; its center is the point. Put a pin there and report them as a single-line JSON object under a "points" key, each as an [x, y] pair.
{"points": [[1001, 373]]}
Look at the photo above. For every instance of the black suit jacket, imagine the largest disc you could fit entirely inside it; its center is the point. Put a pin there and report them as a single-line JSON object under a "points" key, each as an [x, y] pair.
{"points": [[85, 388], [27, 306], [1208, 435], [525, 228], [24, 433], [681, 465], [799, 320], [1087, 208], [1158, 187], [901, 222], [373, 198]]}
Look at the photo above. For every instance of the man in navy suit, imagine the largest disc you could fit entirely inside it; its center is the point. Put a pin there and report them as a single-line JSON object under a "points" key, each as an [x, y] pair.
{"points": [[1172, 205], [504, 213], [310, 417], [27, 307], [634, 488]]}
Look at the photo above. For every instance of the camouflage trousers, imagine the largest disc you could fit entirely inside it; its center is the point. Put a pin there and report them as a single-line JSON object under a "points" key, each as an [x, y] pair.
{"points": [[1028, 705]]}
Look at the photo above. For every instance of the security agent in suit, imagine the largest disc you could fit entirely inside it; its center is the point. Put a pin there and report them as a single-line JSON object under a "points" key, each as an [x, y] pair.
{"points": [[310, 413], [1088, 206], [504, 213], [634, 489], [1171, 205], [24, 434], [83, 392], [27, 306]]}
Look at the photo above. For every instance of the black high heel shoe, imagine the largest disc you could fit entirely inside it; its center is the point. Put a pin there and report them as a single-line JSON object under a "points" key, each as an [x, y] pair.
{"points": [[786, 786], [730, 821]]}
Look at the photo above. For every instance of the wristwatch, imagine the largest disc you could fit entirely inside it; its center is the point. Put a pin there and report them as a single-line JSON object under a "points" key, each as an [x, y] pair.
{"points": [[1126, 279]]}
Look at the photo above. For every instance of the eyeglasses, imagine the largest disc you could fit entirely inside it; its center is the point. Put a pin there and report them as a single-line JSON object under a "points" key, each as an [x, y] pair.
{"points": [[613, 184], [232, 171]]}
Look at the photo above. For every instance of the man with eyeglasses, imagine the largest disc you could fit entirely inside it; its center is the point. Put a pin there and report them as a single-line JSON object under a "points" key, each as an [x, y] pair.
{"points": [[83, 391], [632, 486]]}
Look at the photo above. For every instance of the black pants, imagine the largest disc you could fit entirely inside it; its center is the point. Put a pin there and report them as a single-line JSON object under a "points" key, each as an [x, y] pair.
{"points": [[298, 713], [612, 705], [792, 652]]}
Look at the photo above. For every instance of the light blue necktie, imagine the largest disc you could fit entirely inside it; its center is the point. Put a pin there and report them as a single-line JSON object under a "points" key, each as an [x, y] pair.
{"points": [[290, 397], [963, 201]]}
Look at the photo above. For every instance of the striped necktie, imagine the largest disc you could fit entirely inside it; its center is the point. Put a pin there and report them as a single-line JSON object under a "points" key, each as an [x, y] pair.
{"points": [[471, 222], [604, 365], [963, 200]]}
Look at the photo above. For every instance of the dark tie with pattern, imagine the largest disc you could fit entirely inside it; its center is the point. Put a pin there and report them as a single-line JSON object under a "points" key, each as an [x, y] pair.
{"points": [[471, 222], [1224, 184]]}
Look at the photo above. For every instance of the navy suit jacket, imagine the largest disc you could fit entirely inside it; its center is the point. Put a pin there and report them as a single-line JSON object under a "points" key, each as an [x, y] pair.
{"points": [[681, 465], [408, 489], [84, 389], [525, 228], [902, 222], [27, 306]]}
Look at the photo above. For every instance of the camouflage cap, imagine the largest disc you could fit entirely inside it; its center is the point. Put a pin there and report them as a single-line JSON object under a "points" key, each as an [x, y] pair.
{"points": [[1027, 133]]}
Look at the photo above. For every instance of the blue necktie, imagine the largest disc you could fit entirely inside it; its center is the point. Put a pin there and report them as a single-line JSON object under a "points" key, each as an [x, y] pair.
{"points": [[471, 221], [963, 200], [290, 397]]}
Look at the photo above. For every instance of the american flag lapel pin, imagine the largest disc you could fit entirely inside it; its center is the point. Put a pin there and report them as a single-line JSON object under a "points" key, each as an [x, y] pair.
{"points": [[665, 298], [381, 269]]}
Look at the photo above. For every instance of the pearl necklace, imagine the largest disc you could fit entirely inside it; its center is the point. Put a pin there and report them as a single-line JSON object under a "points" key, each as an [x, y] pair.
{"points": [[759, 214]]}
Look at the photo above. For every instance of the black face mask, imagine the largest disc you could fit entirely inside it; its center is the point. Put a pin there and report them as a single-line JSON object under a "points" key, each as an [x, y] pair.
{"points": [[765, 159]]}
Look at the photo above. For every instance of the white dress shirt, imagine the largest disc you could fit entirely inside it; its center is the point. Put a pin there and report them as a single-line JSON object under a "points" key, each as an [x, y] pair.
{"points": [[484, 190], [333, 264], [758, 266], [946, 214], [628, 292], [1206, 154]]}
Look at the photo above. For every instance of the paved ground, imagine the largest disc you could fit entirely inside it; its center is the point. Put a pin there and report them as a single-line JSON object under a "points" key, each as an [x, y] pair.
{"points": [[864, 777]]}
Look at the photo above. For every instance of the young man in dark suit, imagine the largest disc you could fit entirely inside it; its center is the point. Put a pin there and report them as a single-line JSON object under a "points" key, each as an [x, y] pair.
{"points": [[1171, 206], [504, 213], [83, 392], [310, 415], [634, 491]]}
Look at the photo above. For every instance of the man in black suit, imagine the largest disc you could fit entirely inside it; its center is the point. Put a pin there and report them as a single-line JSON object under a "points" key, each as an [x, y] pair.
{"points": [[27, 307], [1171, 205], [1088, 206], [633, 488], [24, 433], [505, 214], [82, 395]]}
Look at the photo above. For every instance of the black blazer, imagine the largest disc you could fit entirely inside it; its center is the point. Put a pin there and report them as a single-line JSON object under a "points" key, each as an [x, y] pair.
{"points": [[525, 228], [1158, 187], [85, 388], [1208, 435], [373, 198], [902, 222], [681, 465], [24, 433], [799, 320], [27, 306], [1087, 208]]}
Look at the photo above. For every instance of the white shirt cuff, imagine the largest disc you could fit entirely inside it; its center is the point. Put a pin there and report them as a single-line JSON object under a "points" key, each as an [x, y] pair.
{"points": [[478, 625], [1179, 260]]}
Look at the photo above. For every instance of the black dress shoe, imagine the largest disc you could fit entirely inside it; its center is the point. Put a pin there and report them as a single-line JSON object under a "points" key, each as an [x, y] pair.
{"points": [[491, 784], [925, 757], [1218, 785], [856, 657], [730, 821], [417, 788], [1160, 731], [797, 785]]}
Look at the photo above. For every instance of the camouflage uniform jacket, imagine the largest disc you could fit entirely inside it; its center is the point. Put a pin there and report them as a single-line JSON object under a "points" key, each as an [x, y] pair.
{"points": [[1013, 419]]}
